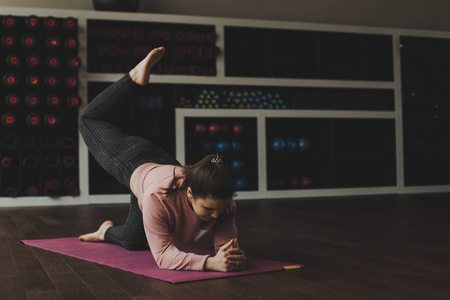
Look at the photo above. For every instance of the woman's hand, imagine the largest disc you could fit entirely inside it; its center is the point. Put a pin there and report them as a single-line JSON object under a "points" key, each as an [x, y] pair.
{"points": [[229, 258], [236, 257]]}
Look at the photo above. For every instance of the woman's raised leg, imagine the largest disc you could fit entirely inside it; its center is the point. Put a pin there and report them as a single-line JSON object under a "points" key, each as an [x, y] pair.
{"points": [[118, 153]]}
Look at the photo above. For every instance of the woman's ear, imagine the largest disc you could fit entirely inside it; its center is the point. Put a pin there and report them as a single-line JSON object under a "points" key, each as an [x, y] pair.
{"points": [[189, 194]]}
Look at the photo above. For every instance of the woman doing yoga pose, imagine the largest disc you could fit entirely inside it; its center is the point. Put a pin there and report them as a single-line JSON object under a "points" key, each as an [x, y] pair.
{"points": [[170, 204]]}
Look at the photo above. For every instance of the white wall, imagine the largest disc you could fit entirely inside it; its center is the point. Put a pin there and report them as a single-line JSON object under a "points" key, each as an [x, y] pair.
{"points": [[413, 14]]}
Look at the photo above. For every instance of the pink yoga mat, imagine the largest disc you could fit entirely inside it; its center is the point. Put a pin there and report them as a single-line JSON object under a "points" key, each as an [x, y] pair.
{"points": [[142, 262]]}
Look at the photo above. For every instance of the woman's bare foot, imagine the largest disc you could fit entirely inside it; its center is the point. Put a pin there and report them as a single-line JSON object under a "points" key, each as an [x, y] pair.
{"points": [[141, 73], [97, 236]]}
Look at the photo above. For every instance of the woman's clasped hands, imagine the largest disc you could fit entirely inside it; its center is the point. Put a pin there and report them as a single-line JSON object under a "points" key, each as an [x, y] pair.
{"points": [[229, 258]]}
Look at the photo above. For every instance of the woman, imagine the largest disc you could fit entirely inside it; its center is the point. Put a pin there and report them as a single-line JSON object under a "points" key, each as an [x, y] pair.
{"points": [[169, 203]]}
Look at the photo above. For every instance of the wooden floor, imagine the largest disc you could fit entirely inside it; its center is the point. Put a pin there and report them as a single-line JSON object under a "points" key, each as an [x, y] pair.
{"points": [[381, 247]]}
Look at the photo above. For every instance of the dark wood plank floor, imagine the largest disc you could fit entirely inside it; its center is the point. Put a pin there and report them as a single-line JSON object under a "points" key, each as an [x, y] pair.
{"points": [[378, 247]]}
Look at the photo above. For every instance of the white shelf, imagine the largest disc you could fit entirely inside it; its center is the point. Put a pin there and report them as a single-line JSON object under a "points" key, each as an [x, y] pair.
{"points": [[261, 115], [247, 81], [221, 79]]}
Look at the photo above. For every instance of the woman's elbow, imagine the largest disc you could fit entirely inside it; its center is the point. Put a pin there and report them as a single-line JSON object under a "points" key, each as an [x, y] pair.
{"points": [[162, 264]]}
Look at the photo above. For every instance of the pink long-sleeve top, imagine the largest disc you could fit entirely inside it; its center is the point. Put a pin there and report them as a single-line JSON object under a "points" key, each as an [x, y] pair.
{"points": [[169, 219]]}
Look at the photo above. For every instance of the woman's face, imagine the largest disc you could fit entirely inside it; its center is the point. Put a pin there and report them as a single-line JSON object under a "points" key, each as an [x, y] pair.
{"points": [[207, 209]]}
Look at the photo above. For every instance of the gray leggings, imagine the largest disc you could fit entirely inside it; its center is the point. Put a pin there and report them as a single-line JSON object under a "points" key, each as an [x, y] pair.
{"points": [[120, 154]]}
